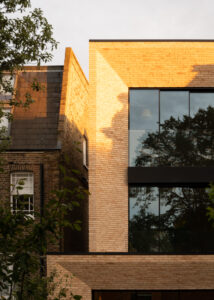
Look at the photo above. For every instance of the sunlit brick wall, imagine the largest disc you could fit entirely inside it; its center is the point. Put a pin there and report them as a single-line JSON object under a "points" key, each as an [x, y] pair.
{"points": [[114, 67], [73, 109], [73, 124]]}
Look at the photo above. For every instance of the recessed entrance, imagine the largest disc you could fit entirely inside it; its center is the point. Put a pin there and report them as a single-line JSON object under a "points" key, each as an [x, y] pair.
{"points": [[153, 295]]}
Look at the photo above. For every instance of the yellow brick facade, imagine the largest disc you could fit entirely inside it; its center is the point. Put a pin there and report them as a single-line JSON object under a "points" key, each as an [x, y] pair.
{"points": [[114, 67], [73, 117], [72, 126]]}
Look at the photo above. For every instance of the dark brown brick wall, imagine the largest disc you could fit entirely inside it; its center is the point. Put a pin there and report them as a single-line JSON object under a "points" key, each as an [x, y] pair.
{"points": [[31, 161], [35, 131]]}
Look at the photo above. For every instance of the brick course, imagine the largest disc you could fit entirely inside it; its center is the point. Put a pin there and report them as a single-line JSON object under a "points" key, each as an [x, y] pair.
{"points": [[31, 161], [72, 126], [48, 129], [114, 68], [73, 117], [134, 272]]}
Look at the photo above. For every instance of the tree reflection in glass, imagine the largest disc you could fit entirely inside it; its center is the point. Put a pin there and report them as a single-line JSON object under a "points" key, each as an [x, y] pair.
{"points": [[186, 142], [144, 219], [174, 218], [169, 219]]}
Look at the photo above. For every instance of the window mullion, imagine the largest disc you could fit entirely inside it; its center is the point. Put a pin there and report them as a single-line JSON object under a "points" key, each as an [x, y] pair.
{"points": [[159, 229]]}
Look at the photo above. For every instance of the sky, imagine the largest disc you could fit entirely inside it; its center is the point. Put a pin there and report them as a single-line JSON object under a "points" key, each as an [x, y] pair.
{"points": [[75, 22]]}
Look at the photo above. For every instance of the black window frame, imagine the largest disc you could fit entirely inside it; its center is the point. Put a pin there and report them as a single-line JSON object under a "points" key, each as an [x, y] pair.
{"points": [[168, 176], [137, 175], [136, 292], [165, 185]]}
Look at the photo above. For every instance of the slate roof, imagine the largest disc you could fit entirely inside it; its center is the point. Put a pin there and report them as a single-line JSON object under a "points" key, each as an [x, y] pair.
{"points": [[35, 128]]}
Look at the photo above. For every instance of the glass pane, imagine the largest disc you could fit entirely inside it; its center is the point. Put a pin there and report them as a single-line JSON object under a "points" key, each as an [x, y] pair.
{"points": [[22, 183], [141, 150], [170, 219], [181, 141], [31, 203], [144, 219], [144, 117], [172, 141], [180, 147], [202, 128], [175, 147], [173, 104], [200, 101], [143, 109], [184, 225], [22, 202]]}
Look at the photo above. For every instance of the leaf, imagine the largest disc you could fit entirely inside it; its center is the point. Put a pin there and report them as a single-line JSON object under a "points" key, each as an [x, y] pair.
{"points": [[77, 297], [77, 226]]}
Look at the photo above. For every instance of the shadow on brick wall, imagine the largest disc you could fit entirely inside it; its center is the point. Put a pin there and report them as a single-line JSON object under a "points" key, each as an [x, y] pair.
{"points": [[204, 76]]}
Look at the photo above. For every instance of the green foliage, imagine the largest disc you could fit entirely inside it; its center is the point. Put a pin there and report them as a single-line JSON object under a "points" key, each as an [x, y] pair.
{"points": [[23, 39], [26, 37], [24, 243]]}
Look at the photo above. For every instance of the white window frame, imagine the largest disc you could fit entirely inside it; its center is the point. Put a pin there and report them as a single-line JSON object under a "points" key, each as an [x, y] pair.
{"points": [[85, 151], [27, 191]]}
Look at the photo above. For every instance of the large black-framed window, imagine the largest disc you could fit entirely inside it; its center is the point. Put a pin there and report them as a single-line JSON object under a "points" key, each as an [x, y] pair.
{"points": [[171, 127], [170, 219], [171, 163]]}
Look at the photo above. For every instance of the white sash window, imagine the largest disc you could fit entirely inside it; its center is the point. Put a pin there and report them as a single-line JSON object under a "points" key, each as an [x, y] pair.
{"points": [[22, 192]]}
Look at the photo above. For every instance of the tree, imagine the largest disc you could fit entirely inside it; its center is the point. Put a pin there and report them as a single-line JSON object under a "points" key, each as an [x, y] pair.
{"points": [[180, 223], [24, 242], [26, 37]]}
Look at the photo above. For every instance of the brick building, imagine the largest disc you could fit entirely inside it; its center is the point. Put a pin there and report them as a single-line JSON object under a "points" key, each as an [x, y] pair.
{"points": [[149, 237], [42, 134]]}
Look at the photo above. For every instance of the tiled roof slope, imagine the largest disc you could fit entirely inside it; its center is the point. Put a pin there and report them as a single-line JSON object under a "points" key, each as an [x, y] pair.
{"points": [[35, 128]]}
